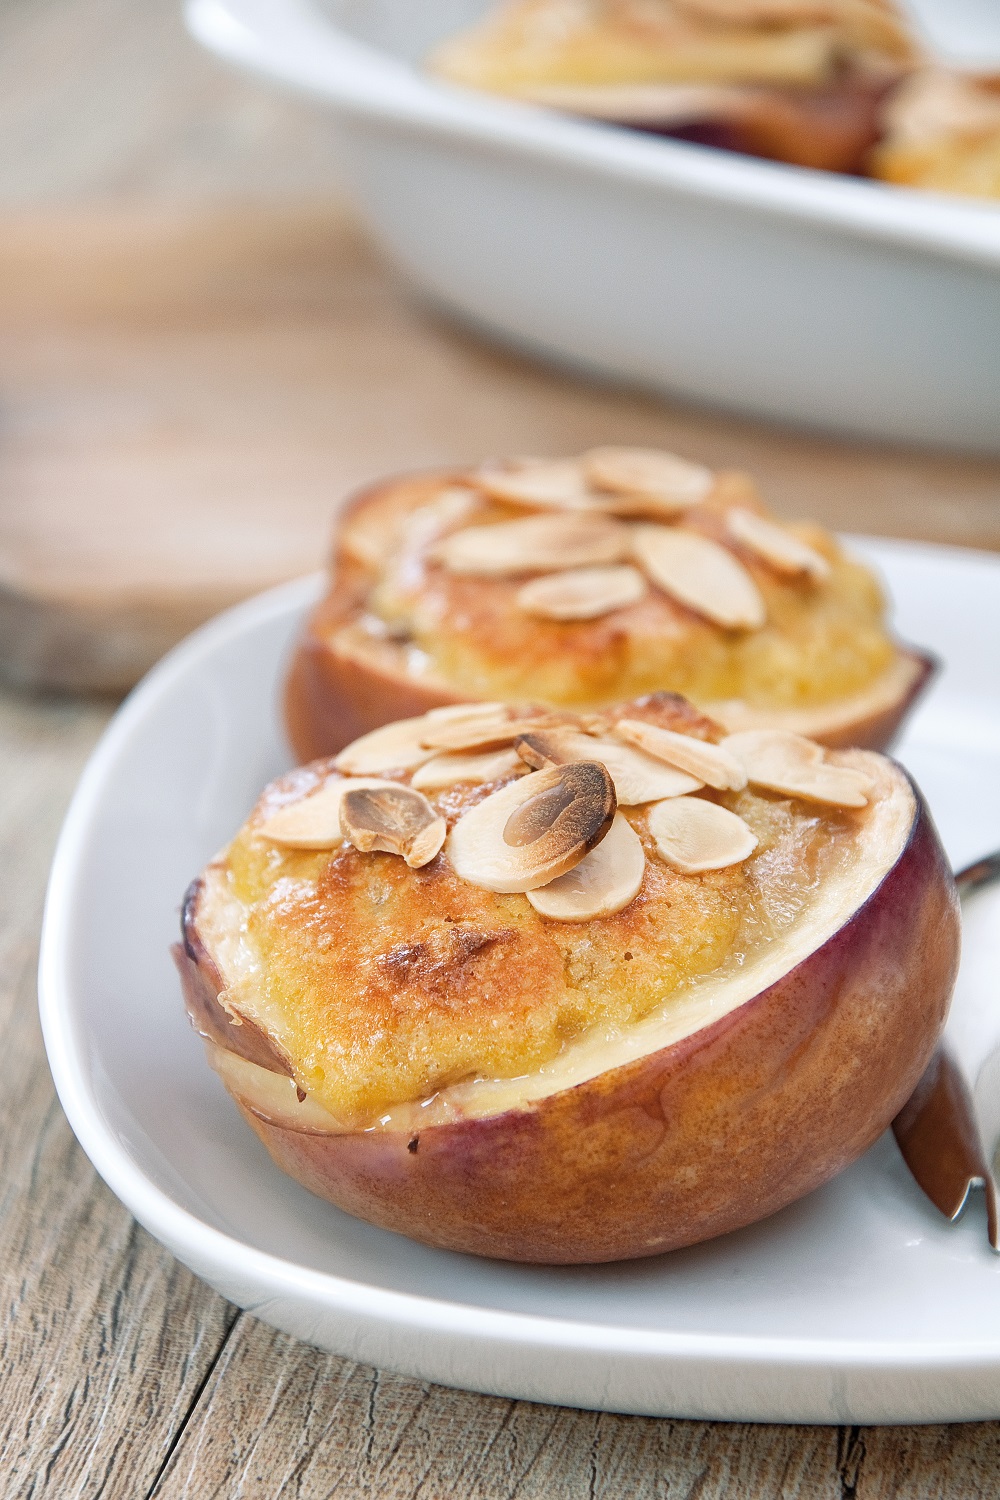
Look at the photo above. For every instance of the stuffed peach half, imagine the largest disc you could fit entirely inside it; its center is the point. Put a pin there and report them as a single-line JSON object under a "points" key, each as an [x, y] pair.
{"points": [[794, 80], [581, 582], [943, 133], [564, 988]]}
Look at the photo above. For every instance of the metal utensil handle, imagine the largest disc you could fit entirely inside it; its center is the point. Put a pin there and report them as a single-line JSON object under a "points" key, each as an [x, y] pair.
{"points": [[980, 872]]}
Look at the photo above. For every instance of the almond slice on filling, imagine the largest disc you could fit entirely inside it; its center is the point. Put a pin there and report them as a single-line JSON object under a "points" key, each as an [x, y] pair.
{"points": [[713, 766], [647, 481], [789, 763], [785, 552], [693, 835], [313, 821], [637, 777], [394, 747], [543, 483], [582, 593], [395, 820], [701, 574], [538, 544], [449, 770], [486, 731], [374, 538], [533, 830], [604, 882], [450, 711]]}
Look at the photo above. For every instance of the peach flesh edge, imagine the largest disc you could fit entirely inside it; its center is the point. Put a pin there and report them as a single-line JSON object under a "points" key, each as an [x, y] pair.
{"points": [[738, 1105], [333, 697]]}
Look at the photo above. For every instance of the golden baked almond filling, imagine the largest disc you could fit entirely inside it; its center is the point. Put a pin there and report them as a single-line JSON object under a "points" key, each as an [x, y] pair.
{"points": [[523, 46], [943, 133], [383, 984], [812, 650], [602, 622]]}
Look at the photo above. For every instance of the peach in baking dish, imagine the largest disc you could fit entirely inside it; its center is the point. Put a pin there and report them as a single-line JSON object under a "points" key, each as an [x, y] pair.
{"points": [[579, 582], [800, 81], [569, 988], [942, 132]]}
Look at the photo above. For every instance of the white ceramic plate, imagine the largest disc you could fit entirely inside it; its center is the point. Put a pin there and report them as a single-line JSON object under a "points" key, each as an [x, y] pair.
{"points": [[800, 295], [858, 1304]]}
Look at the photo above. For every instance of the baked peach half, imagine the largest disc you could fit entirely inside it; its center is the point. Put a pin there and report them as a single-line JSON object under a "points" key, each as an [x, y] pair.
{"points": [[581, 582], [573, 988], [800, 83]]}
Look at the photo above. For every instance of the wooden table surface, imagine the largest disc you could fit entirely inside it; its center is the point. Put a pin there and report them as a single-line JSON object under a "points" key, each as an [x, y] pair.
{"points": [[123, 1375]]}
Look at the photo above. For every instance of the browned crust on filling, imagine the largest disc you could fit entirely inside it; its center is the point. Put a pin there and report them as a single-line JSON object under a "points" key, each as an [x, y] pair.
{"points": [[718, 1130]]}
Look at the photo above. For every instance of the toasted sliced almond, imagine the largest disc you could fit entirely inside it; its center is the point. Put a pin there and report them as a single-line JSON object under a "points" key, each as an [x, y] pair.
{"points": [[699, 758], [543, 748], [789, 763], [785, 552], [533, 830], [313, 822], [393, 819], [448, 509], [637, 777], [604, 881], [694, 835], [483, 731], [701, 574], [374, 535], [428, 843], [538, 544], [449, 770], [451, 711], [596, 724], [647, 481], [582, 593], [549, 484], [394, 747]]}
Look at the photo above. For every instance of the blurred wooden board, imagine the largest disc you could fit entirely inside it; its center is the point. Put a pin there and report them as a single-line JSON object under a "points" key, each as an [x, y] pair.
{"points": [[187, 392]]}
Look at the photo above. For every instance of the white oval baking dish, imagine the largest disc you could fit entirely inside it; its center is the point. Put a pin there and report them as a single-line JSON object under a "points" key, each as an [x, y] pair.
{"points": [[774, 290]]}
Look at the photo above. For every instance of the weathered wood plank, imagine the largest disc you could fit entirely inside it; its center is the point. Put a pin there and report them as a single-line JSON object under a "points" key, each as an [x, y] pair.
{"points": [[278, 1419], [105, 1339], [925, 1463]]}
